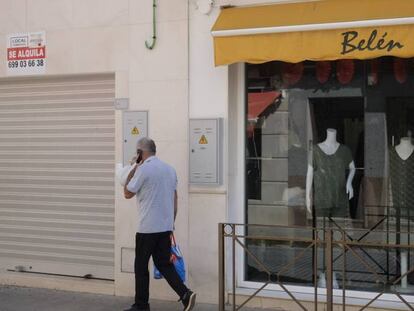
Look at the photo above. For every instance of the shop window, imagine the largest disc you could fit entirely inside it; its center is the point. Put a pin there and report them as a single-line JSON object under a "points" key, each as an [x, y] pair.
{"points": [[346, 116], [332, 120]]}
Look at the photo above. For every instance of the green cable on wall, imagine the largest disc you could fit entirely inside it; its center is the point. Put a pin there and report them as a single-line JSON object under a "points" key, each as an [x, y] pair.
{"points": [[154, 28]]}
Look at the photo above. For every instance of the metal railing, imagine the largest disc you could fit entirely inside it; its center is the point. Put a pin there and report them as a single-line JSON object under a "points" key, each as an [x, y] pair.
{"points": [[332, 250]]}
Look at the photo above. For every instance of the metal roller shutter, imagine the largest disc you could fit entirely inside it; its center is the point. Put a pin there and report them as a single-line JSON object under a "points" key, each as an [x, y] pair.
{"points": [[57, 175]]}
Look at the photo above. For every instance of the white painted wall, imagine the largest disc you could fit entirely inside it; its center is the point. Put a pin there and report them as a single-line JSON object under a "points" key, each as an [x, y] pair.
{"points": [[92, 36], [207, 205], [174, 82]]}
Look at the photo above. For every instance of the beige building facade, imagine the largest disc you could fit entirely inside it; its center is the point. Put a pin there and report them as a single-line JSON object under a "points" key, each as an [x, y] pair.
{"points": [[101, 44], [64, 222]]}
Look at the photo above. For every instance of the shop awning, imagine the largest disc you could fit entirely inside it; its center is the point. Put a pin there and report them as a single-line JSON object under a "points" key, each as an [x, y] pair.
{"points": [[259, 102], [315, 30]]}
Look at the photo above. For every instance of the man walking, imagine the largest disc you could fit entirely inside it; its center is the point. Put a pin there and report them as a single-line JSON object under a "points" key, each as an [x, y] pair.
{"points": [[155, 185]]}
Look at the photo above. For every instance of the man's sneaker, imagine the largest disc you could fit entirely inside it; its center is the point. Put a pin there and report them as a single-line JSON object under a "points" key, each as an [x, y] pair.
{"points": [[188, 300]]}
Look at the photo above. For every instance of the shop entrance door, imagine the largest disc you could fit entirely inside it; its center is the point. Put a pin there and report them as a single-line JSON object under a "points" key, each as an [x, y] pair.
{"points": [[57, 175]]}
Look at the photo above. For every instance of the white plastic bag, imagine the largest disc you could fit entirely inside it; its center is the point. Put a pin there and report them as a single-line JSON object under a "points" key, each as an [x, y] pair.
{"points": [[122, 173]]}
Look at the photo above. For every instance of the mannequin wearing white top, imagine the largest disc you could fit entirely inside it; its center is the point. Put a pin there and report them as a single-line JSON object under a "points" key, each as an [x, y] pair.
{"points": [[404, 151], [405, 148], [329, 147]]}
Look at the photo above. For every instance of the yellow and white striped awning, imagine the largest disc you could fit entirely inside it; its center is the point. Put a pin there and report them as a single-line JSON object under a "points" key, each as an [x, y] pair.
{"points": [[315, 30]]}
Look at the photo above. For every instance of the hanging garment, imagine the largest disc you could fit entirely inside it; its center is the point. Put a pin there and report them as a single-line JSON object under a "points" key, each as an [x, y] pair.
{"points": [[330, 174], [352, 132], [402, 182]]}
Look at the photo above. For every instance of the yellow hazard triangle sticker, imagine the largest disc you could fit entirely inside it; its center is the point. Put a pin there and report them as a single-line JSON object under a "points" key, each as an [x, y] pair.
{"points": [[135, 131], [203, 140]]}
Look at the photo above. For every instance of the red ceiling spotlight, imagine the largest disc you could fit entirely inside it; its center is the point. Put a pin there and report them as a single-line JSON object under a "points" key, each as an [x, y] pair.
{"points": [[323, 71], [400, 70], [373, 75], [345, 69], [292, 73]]}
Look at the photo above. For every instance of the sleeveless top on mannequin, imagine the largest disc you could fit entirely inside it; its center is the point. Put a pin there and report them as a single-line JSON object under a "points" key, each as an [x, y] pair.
{"points": [[402, 181], [330, 173]]}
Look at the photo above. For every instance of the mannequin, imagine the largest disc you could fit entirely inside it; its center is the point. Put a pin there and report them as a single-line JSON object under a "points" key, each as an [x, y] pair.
{"points": [[401, 165], [330, 161], [405, 148], [330, 146]]}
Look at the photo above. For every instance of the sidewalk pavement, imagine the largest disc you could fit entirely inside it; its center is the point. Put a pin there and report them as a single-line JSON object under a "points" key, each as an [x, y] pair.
{"points": [[34, 299]]}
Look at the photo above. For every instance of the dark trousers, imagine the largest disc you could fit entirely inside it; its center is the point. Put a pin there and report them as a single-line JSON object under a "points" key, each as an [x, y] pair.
{"points": [[157, 245]]}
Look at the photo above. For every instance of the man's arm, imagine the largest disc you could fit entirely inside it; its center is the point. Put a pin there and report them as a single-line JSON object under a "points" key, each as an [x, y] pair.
{"points": [[127, 193], [175, 204]]}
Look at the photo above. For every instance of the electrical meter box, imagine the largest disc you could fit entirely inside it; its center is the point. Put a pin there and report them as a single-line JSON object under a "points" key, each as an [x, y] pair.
{"points": [[135, 126], [205, 151]]}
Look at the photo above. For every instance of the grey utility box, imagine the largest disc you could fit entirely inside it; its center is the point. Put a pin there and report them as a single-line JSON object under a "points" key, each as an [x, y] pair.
{"points": [[135, 126], [205, 151]]}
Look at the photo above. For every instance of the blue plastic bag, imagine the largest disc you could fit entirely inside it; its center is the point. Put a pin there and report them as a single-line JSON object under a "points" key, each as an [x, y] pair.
{"points": [[177, 260]]}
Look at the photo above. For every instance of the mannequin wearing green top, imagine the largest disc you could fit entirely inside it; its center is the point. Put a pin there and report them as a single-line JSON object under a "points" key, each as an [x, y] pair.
{"points": [[328, 168], [333, 189]]}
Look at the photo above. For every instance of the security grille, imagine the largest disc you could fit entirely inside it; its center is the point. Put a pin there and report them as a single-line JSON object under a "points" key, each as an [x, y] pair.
{"points": [[57, 175]]}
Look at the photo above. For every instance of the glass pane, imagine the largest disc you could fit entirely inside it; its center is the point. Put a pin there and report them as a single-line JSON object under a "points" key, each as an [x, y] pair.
{"points": [[330, 145]]}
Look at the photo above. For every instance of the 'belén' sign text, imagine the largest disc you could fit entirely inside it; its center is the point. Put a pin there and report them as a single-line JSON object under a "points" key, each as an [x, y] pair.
{"points": [[353, 42]]}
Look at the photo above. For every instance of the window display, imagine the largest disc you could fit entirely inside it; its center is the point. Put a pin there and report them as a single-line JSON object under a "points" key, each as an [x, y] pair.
{"points": [[401, 173], [336, 148], [332, 189]]}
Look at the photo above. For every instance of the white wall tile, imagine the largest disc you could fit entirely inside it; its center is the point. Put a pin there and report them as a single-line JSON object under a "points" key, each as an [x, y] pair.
{"points": [[101, 49], [49, 14], [60, 51], [205, 212], [12, 16], [122, 84], [90, 13], [209, 85], [167, 104], [167, 10], [167, 61]]}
